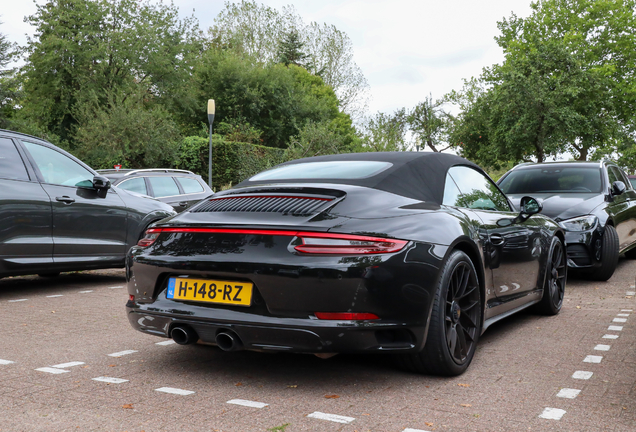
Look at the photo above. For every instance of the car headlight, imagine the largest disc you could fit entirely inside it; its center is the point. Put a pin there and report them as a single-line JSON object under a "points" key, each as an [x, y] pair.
{"points": [[583, 223]]}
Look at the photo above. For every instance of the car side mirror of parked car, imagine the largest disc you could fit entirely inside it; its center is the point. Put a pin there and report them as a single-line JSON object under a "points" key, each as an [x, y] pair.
{"points": [[100, 182], [618, 187], [529, 206]]}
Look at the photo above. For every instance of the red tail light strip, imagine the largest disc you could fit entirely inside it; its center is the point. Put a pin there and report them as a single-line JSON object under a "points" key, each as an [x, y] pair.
{"points": [[338, 244]]}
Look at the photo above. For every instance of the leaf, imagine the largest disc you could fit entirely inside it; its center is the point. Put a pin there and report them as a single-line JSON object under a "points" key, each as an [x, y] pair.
{"points": [[331, 396], [465, 405], [292, 386], [127, 406], [428, 424], [238, 384], [464, 385]]}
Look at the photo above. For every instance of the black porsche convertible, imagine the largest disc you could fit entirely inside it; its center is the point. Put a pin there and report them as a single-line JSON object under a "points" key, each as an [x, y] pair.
{"points": [[414, 254]]}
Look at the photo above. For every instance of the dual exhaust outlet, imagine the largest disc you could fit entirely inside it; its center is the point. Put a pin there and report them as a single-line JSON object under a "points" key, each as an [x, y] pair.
{"points": [[227, 340]]}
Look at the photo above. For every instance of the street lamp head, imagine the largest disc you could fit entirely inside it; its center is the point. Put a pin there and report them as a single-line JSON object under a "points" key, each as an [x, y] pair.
{"points": [[211, 111]]}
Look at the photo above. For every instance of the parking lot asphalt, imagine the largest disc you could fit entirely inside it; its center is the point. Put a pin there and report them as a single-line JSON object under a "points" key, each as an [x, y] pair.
{"points": [[69, 361]]}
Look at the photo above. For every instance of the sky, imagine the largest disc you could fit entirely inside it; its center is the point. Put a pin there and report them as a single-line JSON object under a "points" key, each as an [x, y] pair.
{"points": [[407, 49]]}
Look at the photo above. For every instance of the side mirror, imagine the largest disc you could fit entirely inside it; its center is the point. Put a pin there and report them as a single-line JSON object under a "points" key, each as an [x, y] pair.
{"points": [[529, 206], [100, 182], [618, 187]]}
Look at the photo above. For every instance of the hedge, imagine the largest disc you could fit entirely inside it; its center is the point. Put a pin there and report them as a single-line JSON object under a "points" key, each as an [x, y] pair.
{"points": [[232, 162]]}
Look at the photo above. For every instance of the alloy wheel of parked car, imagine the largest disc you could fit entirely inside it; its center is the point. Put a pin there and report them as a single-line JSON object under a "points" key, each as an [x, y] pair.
{"points": [[556, 274], [455, 321]]}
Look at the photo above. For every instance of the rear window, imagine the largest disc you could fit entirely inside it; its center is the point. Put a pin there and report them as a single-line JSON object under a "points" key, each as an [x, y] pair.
{"points": [[190, 185], [324, 170], [547, 179]]}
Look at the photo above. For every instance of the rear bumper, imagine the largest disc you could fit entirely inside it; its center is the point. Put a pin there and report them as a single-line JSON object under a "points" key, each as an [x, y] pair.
{"points": [[287, 334]]}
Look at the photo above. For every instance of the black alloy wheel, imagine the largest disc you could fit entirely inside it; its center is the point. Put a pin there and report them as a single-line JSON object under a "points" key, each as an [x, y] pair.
{"points": [[555, 278], [455, 323]]}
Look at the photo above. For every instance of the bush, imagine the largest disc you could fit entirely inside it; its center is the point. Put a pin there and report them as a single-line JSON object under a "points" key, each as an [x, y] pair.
{"points": [[232, 162]]}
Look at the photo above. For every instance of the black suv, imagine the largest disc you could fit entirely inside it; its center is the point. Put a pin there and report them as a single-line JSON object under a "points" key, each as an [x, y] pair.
{"points": [[57, 214], [179, 188], [593, 201]]}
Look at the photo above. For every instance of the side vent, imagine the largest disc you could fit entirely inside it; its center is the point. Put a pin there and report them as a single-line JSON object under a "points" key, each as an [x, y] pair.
{"points": [[284, 204]]}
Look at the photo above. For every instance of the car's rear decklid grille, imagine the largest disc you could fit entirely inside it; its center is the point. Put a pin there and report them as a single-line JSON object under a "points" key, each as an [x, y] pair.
{"points": [[284, 204]]}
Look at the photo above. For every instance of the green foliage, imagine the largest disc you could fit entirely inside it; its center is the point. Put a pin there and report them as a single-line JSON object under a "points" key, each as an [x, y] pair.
{"points": [[317, 139], [8, 84], [386, 132], [429, 123], [290, 50], [84, 49], [232, 162], [124, 131], [273, 99]]}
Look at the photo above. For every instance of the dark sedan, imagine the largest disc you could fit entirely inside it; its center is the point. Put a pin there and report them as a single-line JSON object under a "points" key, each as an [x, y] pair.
{"points": [[593, 201], [57, 214], [414, 254]]}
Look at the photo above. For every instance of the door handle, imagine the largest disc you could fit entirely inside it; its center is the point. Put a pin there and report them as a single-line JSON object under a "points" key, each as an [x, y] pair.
{"points": [[496, 239], [65, 199]]}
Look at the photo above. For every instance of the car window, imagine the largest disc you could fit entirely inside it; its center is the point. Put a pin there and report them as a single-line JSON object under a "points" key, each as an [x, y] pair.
{"points": [[163, 186], [11, 163], [190, 185], [552, 178], [324, 170], [451, 193], [57, 168], [137, 185], [613, 175], [477, 191]]}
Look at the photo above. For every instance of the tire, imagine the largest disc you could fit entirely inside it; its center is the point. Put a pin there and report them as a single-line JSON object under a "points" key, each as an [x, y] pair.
{"points": [[609, 255], [455, 323], [555, 278], [49, 275]]}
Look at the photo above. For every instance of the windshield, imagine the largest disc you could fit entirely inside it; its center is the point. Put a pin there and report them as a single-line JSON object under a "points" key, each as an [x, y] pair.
{"points": [[546, 179], [324, 170]]}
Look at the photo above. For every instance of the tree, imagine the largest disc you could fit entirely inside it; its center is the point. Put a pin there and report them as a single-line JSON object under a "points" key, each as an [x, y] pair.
{"points": [[429, 122], [86, 49], [386, 132], [8, 84], [258, 30], [290, 50], [316, 139]]}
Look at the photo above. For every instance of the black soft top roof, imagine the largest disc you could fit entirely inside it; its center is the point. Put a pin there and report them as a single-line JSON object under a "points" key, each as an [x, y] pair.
{"points": [[417, 175]]}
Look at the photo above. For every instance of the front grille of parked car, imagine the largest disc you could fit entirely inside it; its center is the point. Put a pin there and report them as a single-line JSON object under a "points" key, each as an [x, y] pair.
{"points": [[579, 255], [286, 205]]}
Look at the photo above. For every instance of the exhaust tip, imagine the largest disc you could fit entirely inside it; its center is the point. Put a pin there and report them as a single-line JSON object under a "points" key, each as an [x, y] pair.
{"points": [[228, 341], [184, 335]]}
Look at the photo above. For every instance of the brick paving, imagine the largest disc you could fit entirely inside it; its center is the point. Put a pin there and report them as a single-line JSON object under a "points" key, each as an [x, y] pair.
{"points": [[521, 364]]}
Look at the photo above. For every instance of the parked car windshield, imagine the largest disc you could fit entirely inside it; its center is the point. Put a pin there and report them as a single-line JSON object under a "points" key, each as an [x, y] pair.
{"points": [[546, 179]]}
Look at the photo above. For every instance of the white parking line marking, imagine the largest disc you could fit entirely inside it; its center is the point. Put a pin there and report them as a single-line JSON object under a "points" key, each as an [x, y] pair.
{"points": [[69, 364], [414, 430], [56, 295], [331, 417], [115, 287], [601, 347], [552, 414], [84, 292], [630, 293], [623, 315], [568, 393], [110, 380], [174, 391], [593, 359], [52, 370], [122, 353], [584, 375], [609, 336], [247, 403], [627, 310], [5, 362], [168, 342], [18, 300], [615, 328], [620, 320]]}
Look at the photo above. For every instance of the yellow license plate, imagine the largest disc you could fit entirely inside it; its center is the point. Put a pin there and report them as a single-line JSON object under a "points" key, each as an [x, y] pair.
{"points": [[210, 291]]}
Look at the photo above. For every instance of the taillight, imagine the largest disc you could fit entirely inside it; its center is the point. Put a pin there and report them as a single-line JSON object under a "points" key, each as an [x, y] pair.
{"points": [[346, 316], [149, 238], [345, 244]]}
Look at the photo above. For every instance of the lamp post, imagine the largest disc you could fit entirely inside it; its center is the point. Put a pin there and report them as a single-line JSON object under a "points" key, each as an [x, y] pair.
{"points": [[210, 120]]}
